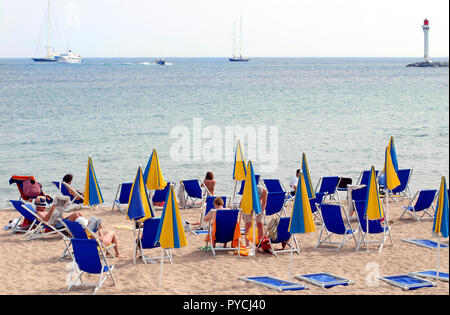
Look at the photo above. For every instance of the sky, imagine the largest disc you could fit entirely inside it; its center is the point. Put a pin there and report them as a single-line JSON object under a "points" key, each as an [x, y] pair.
{"points": [[204, 28]]}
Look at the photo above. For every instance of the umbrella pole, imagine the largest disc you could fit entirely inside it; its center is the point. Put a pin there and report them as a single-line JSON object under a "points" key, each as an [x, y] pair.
{"points": [[161, 268], [234, 193], [438, 258], [367, 232], [290, 266], [254, 235], [135, 242]]}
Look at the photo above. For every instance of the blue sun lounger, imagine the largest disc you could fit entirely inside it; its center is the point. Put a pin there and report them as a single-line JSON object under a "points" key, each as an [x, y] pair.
{"points": [[424, 243], [443, 276], [408, 282], [122, 196], [274, 283], [324, 280], [424, 201]]}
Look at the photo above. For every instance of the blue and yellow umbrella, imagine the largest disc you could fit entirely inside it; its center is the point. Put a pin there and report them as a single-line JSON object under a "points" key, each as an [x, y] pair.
{"points": [[92, 193], [250, 199], [374, 207], [302, 220], [170, 231], [153, 177], [139, 207], [306, 174], [441, 219], [239, 169]]}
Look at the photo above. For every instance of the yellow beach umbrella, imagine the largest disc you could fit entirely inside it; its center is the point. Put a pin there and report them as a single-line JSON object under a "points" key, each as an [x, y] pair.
{"points": [[239, 170], [139, 208], [92, 193], [153, 176], [307, 176], [441, 219]]}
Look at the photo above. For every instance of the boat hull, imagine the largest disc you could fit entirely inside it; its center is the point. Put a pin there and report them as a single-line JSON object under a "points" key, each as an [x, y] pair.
{"points": [[239, 59], [44, 59]]}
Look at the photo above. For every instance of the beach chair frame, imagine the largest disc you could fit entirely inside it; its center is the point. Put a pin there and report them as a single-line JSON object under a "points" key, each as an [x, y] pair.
{"points": [[411, 211], [396, 195], [119, 196], [75, 277], [69, 187], [326, 239], [167, 253], [430, 274], [209, 240], [15, 229], [294, 248], [291, 287], [422, 244], [405, 287], [283, 187], [325, 285], [205, 193], [333, 196], [362, 236]]}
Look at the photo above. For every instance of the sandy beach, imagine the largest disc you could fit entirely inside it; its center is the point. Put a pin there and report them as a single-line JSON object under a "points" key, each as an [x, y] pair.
{"points": [[31, 267]]}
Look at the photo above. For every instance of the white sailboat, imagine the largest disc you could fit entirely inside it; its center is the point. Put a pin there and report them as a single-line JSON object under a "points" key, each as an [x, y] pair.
{"points": [[52, 56], [236, 57]]}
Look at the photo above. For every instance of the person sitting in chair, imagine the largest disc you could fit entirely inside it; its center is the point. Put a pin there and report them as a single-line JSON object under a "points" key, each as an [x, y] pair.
{"points": [[75, 193]]}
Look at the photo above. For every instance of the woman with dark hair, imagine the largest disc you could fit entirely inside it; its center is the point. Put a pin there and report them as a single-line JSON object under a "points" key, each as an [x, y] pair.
{"points": [[75, 193], [210, 183]]}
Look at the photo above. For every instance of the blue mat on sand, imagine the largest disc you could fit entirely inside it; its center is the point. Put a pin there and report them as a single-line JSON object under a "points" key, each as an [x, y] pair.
{"points": [[443, 276], [424, 243], [324, 280], [274, 283], [408, 282]]}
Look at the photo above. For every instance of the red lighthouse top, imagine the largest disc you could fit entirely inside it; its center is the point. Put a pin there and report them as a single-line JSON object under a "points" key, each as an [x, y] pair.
{"points": [[425, 22]]}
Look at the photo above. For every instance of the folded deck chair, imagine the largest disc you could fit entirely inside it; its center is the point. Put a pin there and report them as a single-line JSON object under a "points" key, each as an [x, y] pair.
{"points": [[443, 276], [194, 193], [324, 280], [328, 185], [88, 259], [334, 224], [424, 201], [147, 240], [424, 243], [27, 221], [283, 237], [274, 283], [224, 229], [364, 177], [209, 205], [64, 190], [376, 227], [408, 282], [40, 228], [275, 203], [79, 231], [122, 196]]}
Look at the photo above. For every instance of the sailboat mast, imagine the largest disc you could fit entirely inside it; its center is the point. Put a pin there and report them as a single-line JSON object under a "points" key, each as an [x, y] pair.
{"points": [[240, 37], [234, 39], [48, 30]]}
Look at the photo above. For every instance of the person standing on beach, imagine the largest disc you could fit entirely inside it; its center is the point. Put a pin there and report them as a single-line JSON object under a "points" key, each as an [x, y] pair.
{"points": [[294, 182], [262, 193]]}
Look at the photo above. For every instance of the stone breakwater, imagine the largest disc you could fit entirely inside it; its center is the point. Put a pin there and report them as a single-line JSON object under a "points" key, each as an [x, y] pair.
{"points": [[425, 64]]}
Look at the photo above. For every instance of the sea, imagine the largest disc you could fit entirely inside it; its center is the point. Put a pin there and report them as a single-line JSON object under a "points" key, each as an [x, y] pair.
{"points": [[340, 112]]}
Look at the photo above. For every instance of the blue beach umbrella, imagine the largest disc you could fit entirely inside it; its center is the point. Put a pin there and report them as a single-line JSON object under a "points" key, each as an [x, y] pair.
{"points": [[139, 208], [306, 174], [92, 193]]}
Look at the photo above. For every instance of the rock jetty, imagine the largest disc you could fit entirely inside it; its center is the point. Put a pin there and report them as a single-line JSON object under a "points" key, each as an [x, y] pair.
{"points": [[425, 64]]}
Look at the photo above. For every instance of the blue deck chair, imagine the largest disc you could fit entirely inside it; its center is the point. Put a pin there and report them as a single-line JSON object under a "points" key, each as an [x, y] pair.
{"points": [[209, 205], [275, 203], [283, 237], [160, 195], [329, 185], [147, 240], [64, 190], [17, 204], [88, 259], [403, 191], [364, 177], [194, 192], [40, 228], [274, 283], [276, 185], [359, 194], [313, 202], [324, 280], [408, 282], [443, 276], [122, 196], [424, 201], [241, 190], [84, 233], [226, 221], [375, 227], [334, 224]]}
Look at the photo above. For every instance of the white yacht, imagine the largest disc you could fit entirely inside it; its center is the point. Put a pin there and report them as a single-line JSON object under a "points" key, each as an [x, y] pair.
{"points": [[69, 57]]}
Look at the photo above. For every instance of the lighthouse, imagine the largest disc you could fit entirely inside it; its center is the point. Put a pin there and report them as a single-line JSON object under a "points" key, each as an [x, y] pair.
{"points": [[426, 30]]}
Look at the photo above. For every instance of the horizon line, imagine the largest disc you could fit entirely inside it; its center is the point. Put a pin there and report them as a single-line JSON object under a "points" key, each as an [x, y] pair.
{"points": [[398, 57]]}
